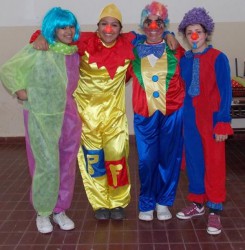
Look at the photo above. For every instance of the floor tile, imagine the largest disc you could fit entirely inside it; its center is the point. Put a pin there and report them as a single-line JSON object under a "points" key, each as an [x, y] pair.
{"points": [[18, 227]]}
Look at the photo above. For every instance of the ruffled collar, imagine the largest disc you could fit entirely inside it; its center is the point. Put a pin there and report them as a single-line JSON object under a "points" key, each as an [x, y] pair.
{"points": [[190, 54], [110, 58], [62, 48]]}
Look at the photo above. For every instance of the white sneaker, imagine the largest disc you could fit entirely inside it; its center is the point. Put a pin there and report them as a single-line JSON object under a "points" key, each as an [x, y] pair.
{"points": [[44, 225], [146, 216], [163, 212], [63, 221]]}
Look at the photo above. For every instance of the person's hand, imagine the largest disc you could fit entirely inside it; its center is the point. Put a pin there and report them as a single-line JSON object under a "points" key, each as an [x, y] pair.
{"points": [[220, 138], [21, 95], [171, 41], [40, 43]]}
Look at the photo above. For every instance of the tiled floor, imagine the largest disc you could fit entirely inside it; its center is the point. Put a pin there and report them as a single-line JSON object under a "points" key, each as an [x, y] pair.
{"points": [[17, 218]]}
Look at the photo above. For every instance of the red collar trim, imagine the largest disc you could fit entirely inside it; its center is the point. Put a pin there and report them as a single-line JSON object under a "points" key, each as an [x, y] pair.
{"points": [[110, 58]]}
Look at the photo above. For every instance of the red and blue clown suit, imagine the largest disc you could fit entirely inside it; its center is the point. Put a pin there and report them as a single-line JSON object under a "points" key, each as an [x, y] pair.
{"points": [[206, 112], [100, 97], [158, 94]]}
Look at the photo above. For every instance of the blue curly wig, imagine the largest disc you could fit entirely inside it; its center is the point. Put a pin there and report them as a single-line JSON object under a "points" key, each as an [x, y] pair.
{"points": [[197, 16], [57, 18]]}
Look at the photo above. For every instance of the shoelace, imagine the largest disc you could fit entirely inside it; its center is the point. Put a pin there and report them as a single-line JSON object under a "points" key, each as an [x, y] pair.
{"points": [[62, 217], [44, 220], [189, 209], [214, 221]]}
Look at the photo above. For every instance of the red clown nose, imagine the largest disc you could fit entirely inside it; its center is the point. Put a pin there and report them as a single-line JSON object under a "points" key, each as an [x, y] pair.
{"points": [[108, 28], [153, 25], [194, 36]]}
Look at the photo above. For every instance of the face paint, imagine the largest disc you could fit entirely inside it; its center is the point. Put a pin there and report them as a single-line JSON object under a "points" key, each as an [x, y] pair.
{"points": [[153, 29], [153, 24]]}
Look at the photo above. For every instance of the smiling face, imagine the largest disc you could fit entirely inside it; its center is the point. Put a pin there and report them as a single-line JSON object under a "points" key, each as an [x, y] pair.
{"points": [[200, 39], [153, 28], [66, 34], [108, 30]]}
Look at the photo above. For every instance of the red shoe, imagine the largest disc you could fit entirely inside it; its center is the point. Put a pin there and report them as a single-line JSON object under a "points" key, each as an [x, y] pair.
{"points": [[190, 212], [214, 224]]}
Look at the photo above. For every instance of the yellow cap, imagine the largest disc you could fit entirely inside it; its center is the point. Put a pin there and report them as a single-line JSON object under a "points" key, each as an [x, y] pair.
{"points": [[111, 10]]}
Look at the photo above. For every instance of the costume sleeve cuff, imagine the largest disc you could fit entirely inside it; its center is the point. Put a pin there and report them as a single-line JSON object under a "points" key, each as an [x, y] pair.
{"points": [[34, 36], [165, 33], [223, 128]]}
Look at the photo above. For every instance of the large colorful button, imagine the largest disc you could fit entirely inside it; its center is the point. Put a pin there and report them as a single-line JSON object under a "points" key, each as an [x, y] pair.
{"points": [[155, 78], [156, 94]]}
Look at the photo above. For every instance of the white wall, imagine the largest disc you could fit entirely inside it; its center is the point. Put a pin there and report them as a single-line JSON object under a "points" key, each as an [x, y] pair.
{"points": [[30, 12], [17, 24]]}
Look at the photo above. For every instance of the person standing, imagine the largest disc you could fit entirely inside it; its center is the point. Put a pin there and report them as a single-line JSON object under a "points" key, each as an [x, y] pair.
{"points": [[206, 119], [158, 94], [45, 82], [100, 96], [105, 57]]}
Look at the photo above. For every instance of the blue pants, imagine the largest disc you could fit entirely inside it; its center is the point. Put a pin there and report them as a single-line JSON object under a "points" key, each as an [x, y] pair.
{"points": [[159, 143]]}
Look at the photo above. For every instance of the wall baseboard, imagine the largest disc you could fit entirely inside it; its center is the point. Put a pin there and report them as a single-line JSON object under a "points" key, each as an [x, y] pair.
{"points": [[238, 135], [12, 140], [21, 140]]}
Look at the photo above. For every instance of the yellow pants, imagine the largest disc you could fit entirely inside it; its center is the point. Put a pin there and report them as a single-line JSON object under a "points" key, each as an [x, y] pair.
{"points": [[103, 164]]}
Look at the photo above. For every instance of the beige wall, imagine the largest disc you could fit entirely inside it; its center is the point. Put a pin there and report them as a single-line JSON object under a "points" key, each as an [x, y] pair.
{"points": [[228, 37]]}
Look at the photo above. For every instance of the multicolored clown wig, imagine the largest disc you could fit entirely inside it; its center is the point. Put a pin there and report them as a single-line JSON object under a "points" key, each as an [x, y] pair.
{"points": [[155, 8], [197, 16], [58, 18]]}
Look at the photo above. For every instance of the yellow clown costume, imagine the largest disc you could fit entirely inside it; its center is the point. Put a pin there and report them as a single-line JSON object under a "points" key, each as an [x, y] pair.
{"points": [[100, 97]]}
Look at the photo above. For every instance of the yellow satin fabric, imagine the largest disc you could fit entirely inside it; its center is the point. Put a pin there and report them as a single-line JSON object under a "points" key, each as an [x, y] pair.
{"points": [[101, 105], [160, 69]]}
